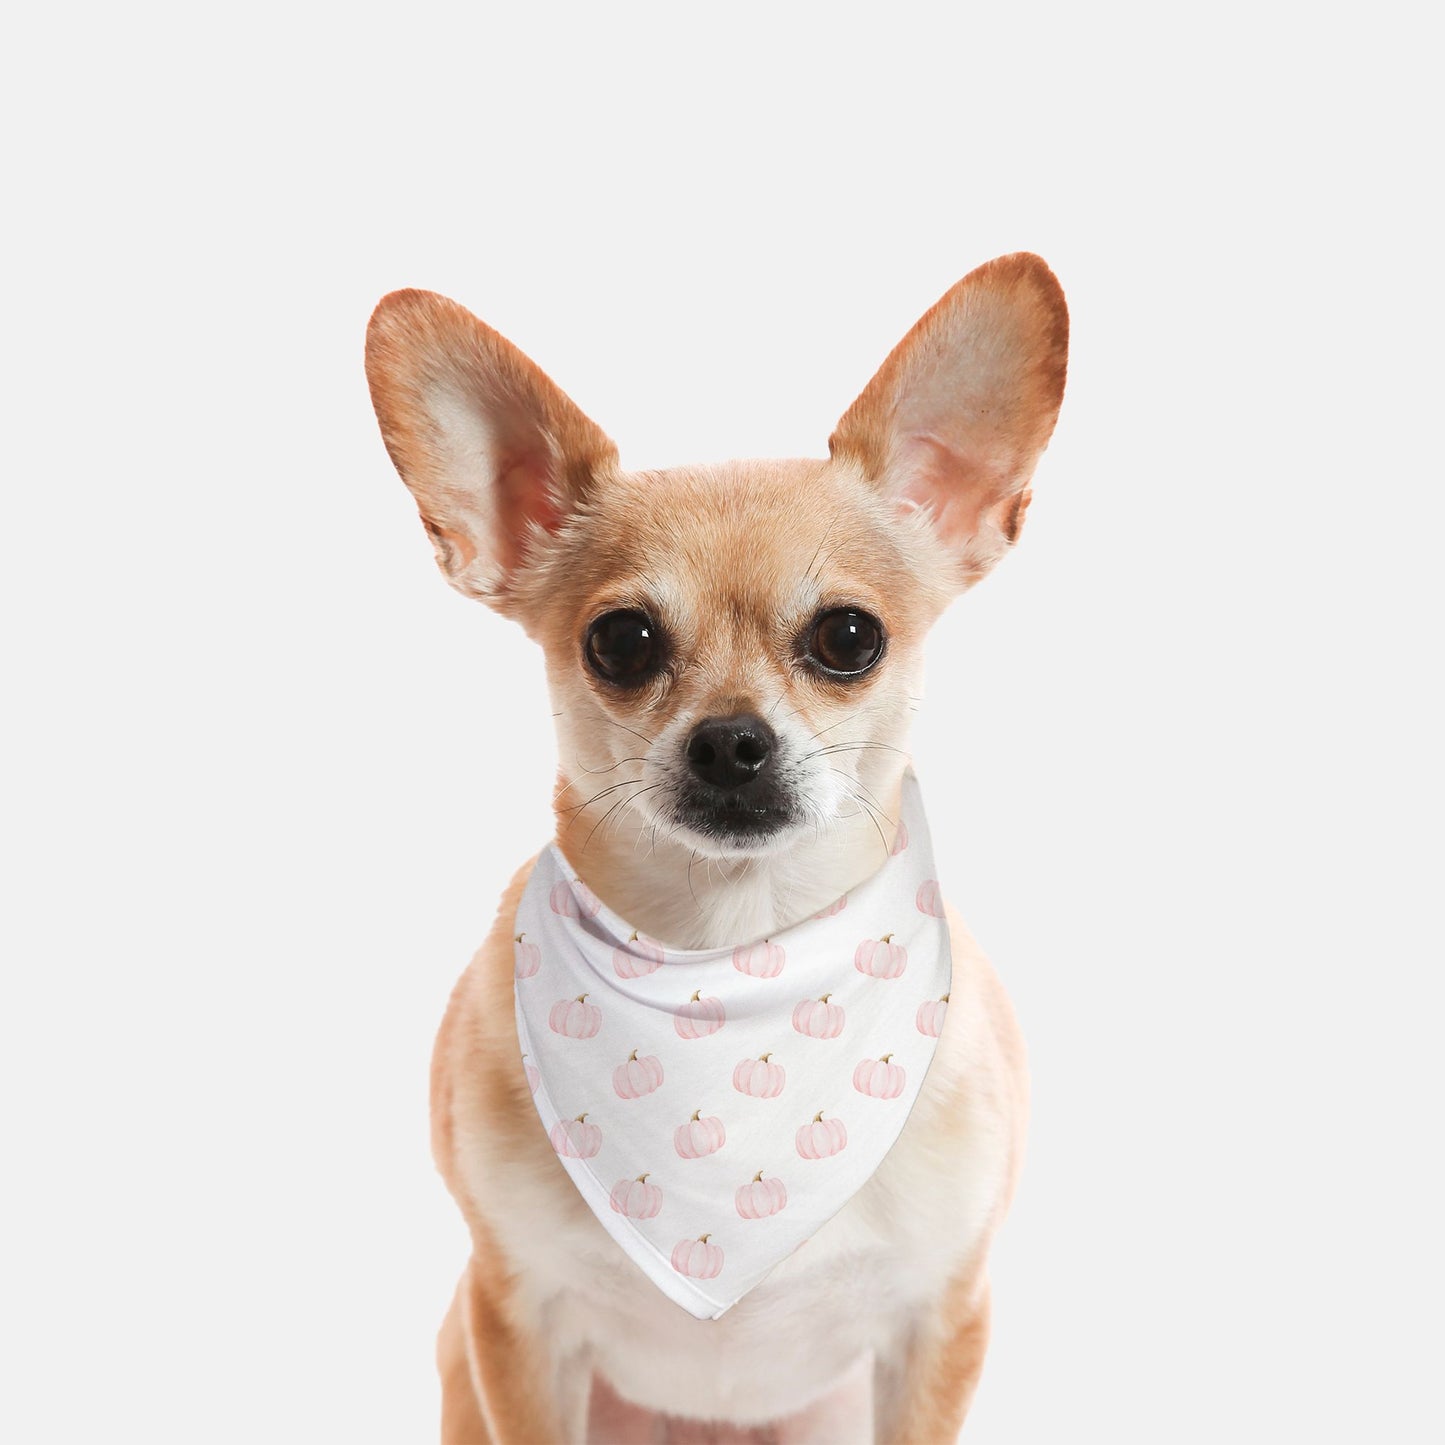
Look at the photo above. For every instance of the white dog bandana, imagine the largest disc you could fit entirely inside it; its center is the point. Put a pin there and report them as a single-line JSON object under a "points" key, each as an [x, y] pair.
{"points": [[716, 1106]]}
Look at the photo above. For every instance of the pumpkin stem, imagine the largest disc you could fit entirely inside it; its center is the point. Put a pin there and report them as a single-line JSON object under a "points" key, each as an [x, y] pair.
{"points": [[519, 938], [696, 1115], [763, 1058], [642, 1178], [696, 996], [882, 1058], [944, 999], [703, 1238], [632, 1057], [581, 998], [886, 938], [633, 939], [757, 1178], [825, 997], [818, 1117], [581, 1117]]}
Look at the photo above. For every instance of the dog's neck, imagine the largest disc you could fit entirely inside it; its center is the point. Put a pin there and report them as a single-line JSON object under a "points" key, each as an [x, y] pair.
{"points": [[675, 895]]}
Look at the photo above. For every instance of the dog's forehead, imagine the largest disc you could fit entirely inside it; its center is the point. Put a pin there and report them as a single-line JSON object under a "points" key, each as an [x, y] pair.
{"points": [[758, 537]]}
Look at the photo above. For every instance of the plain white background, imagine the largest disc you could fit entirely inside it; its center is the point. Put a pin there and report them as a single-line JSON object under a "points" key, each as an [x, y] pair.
{"points": [[266, 774]]}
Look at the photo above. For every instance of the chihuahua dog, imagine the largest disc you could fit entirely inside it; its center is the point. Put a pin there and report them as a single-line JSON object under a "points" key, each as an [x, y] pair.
{"points": [[704, 603]]}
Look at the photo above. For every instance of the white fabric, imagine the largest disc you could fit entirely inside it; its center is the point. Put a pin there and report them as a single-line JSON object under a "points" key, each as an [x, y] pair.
{"points": [[660, 1049]]}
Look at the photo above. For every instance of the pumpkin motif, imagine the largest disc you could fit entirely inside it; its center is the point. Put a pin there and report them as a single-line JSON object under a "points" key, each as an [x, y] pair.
{"points": [[759, 960], [636, 1198], [821, 1138], [638, 958], [699, 1017], [761, 1197], [526, 956], [759, 1078], [881, 957], [575, 1138], [575, 1018], [699, 1137], [834, 908], [900, 842], [930, 898], [574, 899], [879, 1079], [635, 1077], [534, 1074], [819, 1019], [931, 1015], [697, 1259]]}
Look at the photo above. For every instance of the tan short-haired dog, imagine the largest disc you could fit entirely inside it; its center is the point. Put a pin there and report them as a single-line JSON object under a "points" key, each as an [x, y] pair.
{"points": [[782, 606]]}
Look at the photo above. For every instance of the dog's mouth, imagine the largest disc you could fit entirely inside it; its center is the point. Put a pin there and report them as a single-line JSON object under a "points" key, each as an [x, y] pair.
{"points": [[739, 821]]}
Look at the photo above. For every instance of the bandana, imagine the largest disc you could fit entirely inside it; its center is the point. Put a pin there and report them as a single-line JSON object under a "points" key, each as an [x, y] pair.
{"points": [[715, 1106]]}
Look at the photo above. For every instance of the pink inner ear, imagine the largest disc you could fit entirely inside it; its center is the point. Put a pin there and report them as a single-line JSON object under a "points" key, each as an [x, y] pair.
{"points": [[524, 495], [958, 490]]}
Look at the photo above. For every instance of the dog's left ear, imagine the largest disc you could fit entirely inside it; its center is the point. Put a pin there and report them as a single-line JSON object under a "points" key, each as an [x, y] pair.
{"points": [[956, 418]]}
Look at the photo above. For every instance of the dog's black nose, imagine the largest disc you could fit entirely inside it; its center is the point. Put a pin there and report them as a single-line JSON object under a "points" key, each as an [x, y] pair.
{"points": [[730, 751]]}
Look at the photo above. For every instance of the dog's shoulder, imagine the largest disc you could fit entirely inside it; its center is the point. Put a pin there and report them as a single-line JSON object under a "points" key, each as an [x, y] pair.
{"points": [[981, 1068], [476, 1073]]}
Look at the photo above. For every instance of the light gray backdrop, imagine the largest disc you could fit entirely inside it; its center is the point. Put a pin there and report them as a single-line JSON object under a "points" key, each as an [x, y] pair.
{"points": [[267, 774]]}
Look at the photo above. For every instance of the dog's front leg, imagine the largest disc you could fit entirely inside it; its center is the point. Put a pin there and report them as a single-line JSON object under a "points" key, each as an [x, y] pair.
{"points": [[516, 1396], [922, 1397]]}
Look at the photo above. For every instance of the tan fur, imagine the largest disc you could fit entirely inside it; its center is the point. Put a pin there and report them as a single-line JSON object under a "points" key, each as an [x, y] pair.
{"points": [[884, 1312]]}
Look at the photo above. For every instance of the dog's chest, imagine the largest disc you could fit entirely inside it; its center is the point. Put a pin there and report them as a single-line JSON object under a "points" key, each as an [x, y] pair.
{"points": [[852, 1288]]}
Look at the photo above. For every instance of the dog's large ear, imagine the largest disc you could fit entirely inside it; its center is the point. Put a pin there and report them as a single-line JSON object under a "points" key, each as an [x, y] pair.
{"points": [[957, 416], [494, 453]]}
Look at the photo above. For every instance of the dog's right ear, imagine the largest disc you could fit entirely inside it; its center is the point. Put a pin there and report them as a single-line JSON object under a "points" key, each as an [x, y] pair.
{"points": [[494, 453]]}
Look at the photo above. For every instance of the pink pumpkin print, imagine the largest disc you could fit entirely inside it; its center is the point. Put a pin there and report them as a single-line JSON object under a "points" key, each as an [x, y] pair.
{"points": [[635, 1077], [819, 1019], [760, 1198], [699, 1017], [636, 1198], [834, 908], [759, 1078], [697, 1259], [638, 958], [881, 957], [575, 1138], [930, 899], [900, 842], [821, 1138], [931, 1015], [574, 899], [879, 1079], [575, 1018], [699, 1137], [534, 1075], [759, 960], [527, 957]]}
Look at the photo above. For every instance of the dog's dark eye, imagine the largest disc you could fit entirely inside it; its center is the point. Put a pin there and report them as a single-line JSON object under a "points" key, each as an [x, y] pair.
{"points": [[623, 647], [846, 641]]}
